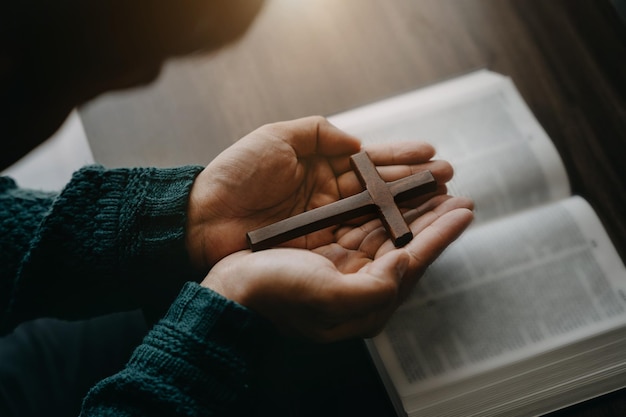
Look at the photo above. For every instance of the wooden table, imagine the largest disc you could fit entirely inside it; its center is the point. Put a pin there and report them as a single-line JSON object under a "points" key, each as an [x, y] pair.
{"points": [[567, 58]]}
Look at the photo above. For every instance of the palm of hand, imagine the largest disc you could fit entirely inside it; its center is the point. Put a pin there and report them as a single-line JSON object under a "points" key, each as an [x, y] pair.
{"points": [[281, 170], [353, 277], [348, 288], [255, 183]]}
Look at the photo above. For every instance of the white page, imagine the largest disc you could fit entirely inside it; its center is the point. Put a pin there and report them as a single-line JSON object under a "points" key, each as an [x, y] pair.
{"points": [[502, 157], [516, 290], [50, 166], [553, 277]]}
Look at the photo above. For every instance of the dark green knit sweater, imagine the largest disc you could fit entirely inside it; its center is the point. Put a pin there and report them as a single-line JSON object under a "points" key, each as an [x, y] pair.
{"points": [[113, 240]]}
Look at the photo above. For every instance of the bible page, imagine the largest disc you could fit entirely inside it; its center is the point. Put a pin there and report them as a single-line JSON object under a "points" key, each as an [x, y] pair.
{"points": [[502, 157], [505, 291]]}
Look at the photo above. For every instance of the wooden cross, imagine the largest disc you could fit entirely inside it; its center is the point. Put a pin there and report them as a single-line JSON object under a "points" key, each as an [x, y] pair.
{"points": [[379, 197]]}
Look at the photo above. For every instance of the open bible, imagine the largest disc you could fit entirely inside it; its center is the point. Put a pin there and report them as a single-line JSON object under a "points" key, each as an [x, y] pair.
{"points": [[526, 312]]}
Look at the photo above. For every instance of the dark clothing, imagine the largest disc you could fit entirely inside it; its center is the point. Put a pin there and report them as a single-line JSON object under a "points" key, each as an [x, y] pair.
{"points": [[47, 366], [113, 241]]}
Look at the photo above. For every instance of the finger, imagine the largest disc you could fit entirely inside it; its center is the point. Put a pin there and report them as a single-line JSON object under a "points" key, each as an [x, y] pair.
{"points": [[428, 212], [314, 135], [417, 219], [369, 297], [369, 237], [397, 153], [442, 172], [422, 218], [400, 153], [351, 237], [372, 287], [431, 242], [345, 260]]}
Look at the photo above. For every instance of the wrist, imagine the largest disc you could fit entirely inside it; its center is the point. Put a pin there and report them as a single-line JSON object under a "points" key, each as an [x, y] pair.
{"points": [[196, 224]]}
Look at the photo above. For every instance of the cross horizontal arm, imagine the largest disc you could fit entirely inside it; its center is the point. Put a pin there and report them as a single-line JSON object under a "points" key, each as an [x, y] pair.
{"points": [[311, 221], [335, 213], [388, 212]]}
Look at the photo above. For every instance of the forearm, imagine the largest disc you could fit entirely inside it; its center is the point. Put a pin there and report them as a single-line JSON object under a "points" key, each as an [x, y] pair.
{"points": [[113, 240], [198, 360]]}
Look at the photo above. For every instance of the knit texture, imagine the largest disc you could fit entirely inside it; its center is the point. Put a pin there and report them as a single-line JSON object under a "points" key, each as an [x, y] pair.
{"points": [[21, 212], [112, 240], [195, 362]]}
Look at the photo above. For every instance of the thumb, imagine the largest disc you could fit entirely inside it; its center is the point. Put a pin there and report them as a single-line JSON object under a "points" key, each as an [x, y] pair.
{"points": [[369, 310], [392, 265], [375, 286]]}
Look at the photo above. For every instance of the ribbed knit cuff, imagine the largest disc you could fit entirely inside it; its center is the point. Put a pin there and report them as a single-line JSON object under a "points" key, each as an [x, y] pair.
{"points": [[114, 240], [21, 213], [210, 316], [205, 346]]}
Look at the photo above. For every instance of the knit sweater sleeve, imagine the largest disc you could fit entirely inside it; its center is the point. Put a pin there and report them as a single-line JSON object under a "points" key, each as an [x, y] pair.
{"points": [[197, 361], [112, 240]]}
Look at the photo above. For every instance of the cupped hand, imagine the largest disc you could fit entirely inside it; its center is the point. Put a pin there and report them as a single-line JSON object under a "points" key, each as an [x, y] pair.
{"points": [[345, 289], [281, 170]]}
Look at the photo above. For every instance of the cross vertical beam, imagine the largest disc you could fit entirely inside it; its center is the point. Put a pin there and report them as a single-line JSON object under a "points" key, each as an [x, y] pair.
{"points": [[378, 197], [381, 196]]}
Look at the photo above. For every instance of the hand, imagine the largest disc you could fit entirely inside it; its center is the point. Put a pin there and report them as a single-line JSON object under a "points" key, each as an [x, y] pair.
{"points": [[345, 289], [281, 170]]}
